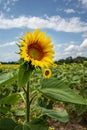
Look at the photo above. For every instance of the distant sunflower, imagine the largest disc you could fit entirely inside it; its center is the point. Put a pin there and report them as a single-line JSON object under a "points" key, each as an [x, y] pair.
{"points": [[47, 73], [0, 65], [37, 48]]}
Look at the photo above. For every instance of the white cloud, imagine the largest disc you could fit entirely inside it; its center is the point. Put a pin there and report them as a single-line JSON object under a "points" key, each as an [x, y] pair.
{"points": [[7, 4], [8, 51], [1, 15], [68, 11], [8, 56], [84, 35], [8, 44], [71, 48], [76, 50], [84, 44], [59, 9], [84, 2], [65, 50], [74, 47], [57, 23], [67, 2]]}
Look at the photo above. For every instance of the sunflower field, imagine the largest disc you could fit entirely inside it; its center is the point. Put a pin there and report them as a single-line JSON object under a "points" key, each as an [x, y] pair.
{"points": [[37, 91], [59, 103]]}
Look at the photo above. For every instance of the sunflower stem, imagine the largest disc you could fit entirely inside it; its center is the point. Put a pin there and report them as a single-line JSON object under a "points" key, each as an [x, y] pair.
{"points": [[28, 103]]}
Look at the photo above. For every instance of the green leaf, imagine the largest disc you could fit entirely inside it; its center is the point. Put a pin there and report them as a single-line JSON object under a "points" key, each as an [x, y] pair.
{"points": [[22, 127], [24, 74], [7, 124], [10, 100], [7, 78], [38, 127], [37, 124], [60, 115], [76, 77], [4, 95], [19, 112], [57, 90], [53, 83], [19, 127], [4, 109]]}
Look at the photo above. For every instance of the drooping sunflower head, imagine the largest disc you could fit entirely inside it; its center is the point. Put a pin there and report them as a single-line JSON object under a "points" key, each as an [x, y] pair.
{"points": [[37, 49], [47, 73]]}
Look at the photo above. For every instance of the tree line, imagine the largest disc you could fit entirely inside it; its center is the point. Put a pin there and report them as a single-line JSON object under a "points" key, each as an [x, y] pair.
{"points": [[68, 60]]}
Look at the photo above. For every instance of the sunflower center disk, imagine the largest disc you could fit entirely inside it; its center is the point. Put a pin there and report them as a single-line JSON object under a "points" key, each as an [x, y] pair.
{"points": [[47, 73], [35, 52]]}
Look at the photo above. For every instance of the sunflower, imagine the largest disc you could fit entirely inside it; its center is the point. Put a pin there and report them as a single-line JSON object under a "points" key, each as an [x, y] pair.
{"points": [[37, 48], [47, 73], [0, 65], [55, 65]]}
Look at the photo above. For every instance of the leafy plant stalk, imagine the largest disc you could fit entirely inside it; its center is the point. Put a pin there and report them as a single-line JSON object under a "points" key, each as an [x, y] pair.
{"points": [[28, 103], [83, 76]]}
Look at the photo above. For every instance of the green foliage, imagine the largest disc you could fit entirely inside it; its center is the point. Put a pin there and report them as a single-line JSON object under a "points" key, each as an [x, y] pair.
{"points": [[57, 90], [7, 78], [70, 60], [22, 127], [19, 113], [10, 99], [67, 85], [36, 124], [39, 125], [85, 63], [24, 74], [60, 115], [7, 124]]}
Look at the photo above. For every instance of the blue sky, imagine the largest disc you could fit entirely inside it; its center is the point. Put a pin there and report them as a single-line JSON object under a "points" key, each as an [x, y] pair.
{"points": [[65, 21]]}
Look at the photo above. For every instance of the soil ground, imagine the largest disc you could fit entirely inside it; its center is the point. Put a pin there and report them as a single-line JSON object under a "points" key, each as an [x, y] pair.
{"points": [[71, 125]]}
